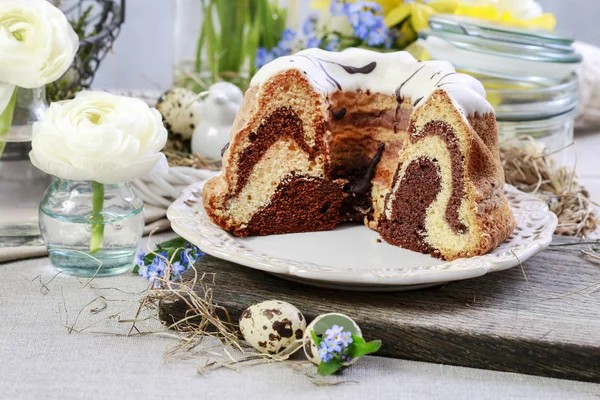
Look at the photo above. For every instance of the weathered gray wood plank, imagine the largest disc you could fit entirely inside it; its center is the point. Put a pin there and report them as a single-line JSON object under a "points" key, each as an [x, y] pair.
{"points": [[496, 322]]}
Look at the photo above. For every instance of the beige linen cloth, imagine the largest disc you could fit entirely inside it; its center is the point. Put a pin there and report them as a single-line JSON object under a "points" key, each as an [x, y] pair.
{"points": [[155, 218]]}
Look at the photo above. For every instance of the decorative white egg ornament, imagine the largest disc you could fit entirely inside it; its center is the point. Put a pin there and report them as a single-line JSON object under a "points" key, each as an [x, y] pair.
{"points": [[219, 110]]}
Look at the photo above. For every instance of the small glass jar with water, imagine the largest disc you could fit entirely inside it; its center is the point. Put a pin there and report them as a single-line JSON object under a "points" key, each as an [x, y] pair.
{"points": [[67, 219], [21, 184]]}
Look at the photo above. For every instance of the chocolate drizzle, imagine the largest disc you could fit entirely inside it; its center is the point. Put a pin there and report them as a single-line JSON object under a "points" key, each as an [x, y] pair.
{"points": [[339, 114], [330, 78], [399, 89], [367, 69], [316, 65], [417, 101], [399, 92], [363, 185], [444, 77], [224, 149]]}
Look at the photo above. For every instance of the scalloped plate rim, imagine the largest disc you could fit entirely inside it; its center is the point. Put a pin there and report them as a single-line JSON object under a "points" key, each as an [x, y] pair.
{"points": [[220, 246]]}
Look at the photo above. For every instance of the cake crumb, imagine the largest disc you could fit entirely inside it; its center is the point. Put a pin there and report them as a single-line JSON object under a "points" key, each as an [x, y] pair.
{"points": [[378, 240]]}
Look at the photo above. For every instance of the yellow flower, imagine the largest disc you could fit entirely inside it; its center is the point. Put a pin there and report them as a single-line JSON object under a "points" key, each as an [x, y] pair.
{"points": [[413, 17], [545, 21], [419, 13], [389, 5], [320, 4]]}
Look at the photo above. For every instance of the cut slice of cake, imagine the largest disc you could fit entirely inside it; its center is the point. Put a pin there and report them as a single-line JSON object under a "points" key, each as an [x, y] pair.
{"points": [[408, 147]]}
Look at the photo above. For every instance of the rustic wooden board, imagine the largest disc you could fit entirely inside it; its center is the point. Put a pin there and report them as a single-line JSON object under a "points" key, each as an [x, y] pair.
{"points": [[498, 321]]}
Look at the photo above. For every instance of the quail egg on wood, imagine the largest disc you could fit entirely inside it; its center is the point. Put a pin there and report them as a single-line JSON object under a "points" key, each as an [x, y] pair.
{"points": [[273, 326]]}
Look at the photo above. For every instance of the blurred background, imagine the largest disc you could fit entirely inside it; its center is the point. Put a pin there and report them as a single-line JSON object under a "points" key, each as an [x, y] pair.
{"points": [[142, 58]]}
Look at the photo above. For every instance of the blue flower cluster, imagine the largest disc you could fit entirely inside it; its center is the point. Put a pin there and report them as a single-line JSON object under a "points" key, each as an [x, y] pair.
{"points": [[167, 265], [366, 19], [311, 38], [284, 48], [335, 344]]}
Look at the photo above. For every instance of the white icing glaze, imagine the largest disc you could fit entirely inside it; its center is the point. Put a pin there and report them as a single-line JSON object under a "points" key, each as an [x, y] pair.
{"points": [[397, 73]]}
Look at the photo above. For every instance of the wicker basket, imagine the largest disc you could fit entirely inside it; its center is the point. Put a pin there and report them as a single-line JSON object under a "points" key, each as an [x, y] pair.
{"points": [[162, 191], [98, 23]]}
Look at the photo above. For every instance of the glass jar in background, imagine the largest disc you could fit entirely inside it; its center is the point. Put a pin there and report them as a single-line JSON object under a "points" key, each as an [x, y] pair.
{"points": [[531, 77], [218, 39], [21, 184], [66, 220]]}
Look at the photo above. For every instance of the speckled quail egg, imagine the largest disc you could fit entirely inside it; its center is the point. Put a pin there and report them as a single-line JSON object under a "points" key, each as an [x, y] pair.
{"points": [[320, 326], [273, 326], [181, 110]]}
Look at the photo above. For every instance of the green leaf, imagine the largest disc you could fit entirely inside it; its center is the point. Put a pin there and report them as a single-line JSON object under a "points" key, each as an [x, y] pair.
{"points": [[358, 340], [174, 243], [199, 48], [212, 42], [359, 347], [253, 38], [328, 368], [315, 338]]}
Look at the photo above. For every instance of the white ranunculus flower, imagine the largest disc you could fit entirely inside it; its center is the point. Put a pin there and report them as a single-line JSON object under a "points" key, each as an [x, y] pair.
{"points": [[37, 43], [99, 137]]}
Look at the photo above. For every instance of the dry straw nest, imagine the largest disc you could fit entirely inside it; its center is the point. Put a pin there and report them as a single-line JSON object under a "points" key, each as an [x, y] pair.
{"points": [[531, 171]]}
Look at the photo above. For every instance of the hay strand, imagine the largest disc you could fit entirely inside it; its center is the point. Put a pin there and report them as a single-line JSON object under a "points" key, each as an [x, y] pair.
{"points": [[531, 171]]}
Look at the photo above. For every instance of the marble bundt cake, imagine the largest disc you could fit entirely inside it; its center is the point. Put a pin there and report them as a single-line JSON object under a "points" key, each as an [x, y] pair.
{"points": [[408, 147]]}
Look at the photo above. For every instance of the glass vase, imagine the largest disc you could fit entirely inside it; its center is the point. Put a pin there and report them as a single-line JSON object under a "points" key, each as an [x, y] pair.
{"points": [[21, 184], [71, 219], [218, 40]]}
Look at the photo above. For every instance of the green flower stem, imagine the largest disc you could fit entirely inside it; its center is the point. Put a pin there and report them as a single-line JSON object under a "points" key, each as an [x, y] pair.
{"points": [[232, 31], [6, 119], [7, 115], [97, 220]]}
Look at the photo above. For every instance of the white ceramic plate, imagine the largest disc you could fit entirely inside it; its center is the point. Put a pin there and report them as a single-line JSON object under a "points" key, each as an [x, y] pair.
{"points": [[350, 256]]}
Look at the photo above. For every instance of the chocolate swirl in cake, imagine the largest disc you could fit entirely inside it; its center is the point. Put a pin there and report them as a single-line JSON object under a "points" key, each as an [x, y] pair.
{"points": [[420, 185], [283, 122]]}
